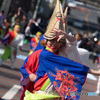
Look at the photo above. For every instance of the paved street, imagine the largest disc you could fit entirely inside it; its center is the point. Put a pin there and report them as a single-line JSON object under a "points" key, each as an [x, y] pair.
{"points": [[10, 78]]}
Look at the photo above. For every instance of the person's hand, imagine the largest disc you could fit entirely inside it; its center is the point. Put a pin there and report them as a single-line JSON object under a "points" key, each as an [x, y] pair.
{"points": [[32, 77], [59, 33], [19, 8], [62, 35], [30, 21], [94, 72]]}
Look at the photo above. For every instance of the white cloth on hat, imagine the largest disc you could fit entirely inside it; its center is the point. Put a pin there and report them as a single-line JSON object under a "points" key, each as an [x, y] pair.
{"points": [[66, 49], [80, 55], [72, 52], [78, 43]]}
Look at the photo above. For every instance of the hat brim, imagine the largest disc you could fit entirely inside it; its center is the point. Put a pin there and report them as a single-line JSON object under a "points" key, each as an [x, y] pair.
{"points": [[49, 37]]}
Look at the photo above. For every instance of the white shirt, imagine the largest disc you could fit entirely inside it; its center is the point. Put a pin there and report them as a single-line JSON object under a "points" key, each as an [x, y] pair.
{"points": [[18, 41]]}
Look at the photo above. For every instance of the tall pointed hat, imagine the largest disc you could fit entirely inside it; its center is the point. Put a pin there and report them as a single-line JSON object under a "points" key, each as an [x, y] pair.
{"points": [[65, 19], [56, 21]]}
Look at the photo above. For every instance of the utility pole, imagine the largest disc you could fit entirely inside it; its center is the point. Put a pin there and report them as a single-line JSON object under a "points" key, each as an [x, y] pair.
{"points": [[64, 3], [5, 6], [36, 9]]}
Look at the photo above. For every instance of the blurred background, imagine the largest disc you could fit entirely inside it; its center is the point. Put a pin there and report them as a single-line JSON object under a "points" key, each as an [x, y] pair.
{"points": [[83, 20], [82, 16]]}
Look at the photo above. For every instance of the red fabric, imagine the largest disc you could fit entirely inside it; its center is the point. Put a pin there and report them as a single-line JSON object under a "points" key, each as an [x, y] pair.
{"points": [[31, 67], [29, 87], [1, 41], [33, 39], [34, 43], [12, 36], [32, 64]]}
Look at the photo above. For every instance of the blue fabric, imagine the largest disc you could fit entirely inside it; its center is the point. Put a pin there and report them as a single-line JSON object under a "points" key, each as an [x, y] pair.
{"points": [[23, 70], [31, 45], [61, 71], [39, 44], [5, 41]]}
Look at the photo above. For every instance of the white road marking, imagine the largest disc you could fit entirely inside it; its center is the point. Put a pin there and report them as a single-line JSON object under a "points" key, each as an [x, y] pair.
{"points": [[92, 77], [22, 57], [1, 51], [11, 93]]}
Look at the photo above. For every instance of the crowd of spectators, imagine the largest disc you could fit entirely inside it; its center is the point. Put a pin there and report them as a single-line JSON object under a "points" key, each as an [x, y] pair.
{"points": [[90, 43], [30, 27]]}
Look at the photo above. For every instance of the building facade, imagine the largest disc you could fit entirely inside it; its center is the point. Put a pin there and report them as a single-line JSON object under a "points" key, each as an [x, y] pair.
{"points": [[45, 7]]}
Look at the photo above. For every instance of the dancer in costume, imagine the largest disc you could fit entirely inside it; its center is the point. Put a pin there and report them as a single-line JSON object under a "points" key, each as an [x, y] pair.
{"points": [[51, 71], [98, 84], [12, 41], [34, 42], [54, 74]]}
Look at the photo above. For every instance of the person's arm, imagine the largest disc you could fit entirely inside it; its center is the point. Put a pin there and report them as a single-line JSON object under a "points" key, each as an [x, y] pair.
{"points": [[19, 9], [4, 40], [26, 69], [29, 68], [70, 37], [62, 35], [32, 77], [7, 36], [95, 72]]}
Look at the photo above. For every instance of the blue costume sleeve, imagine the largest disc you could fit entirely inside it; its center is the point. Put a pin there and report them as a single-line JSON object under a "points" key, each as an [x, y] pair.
{"points": [[30, 66], [4, 41], [25, 73], [66, 75]]}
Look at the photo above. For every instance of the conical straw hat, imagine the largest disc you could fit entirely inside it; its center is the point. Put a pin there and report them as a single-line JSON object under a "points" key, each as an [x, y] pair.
{"points": [[56, 21], [65, 19]]}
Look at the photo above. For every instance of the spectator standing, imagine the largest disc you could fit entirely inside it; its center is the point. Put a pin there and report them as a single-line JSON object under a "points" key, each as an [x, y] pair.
{"points": [[2, 18], [28, 28], [23, 24], [86, 43], [96, 50], [15, 18], [5, 27], [17, 22], [78, 37]]}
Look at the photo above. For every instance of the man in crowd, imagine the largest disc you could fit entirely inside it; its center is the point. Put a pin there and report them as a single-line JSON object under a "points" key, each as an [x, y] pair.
{"points": [[2, 18], [13, 41]]}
